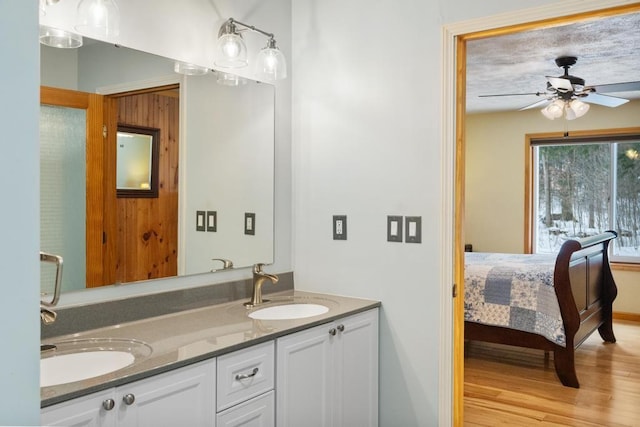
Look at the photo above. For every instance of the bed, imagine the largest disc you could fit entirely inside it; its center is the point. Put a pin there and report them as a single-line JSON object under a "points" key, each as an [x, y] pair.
{"points": [[552, 303]]}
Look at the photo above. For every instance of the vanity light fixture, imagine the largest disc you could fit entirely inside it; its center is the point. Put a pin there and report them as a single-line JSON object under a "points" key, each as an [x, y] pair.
{"points": [[55, 37], [231, 52], [228, 79], [189, 69], [571, 109], [98, 18]]}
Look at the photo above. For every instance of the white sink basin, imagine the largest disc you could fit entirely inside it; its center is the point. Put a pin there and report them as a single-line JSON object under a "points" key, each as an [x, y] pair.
{"points": [[67, 368], [288, 312], [81, 359]]}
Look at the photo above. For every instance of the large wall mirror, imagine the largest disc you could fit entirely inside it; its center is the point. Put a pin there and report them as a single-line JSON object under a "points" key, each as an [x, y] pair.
{"points": [[216, 147]]}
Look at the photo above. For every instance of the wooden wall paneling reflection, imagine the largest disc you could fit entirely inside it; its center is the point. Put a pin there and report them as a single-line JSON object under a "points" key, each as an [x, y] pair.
{"points": [[148, 227]]}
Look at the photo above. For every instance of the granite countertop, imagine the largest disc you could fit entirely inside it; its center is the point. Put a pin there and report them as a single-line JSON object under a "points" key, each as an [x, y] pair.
{"points": [[170, 341]]}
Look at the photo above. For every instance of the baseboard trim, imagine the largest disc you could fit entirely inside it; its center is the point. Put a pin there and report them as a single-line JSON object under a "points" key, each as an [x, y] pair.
{"points": [[633, 317]]}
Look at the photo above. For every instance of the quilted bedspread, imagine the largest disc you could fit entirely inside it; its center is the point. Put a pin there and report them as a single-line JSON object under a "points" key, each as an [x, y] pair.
{"points": [[513, 291]]}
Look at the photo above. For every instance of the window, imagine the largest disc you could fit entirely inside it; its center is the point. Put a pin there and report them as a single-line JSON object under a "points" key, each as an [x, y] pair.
{"points": [[583, 186]]}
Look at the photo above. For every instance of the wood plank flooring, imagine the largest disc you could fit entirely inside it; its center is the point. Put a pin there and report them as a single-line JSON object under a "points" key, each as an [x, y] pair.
{"points": [[511, 386]]}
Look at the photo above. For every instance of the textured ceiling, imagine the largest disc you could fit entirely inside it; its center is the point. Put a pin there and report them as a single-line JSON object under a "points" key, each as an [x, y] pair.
{"points": [[608, 51]]}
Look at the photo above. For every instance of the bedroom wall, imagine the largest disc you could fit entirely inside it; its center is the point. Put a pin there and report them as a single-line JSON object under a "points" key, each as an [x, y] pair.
{"points": [[494, 205]]}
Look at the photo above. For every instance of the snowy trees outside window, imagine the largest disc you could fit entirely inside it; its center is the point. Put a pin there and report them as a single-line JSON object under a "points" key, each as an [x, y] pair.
{"points": [[582, 188]]}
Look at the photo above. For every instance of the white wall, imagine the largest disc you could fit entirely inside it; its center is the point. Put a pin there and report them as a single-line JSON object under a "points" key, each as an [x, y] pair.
{"points": [[494, 205], [367, 143], [19, 322]]}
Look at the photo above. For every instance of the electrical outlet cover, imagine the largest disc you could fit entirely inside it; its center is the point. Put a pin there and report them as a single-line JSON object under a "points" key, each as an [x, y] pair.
{"points": [[250, 223], [339, 227]]}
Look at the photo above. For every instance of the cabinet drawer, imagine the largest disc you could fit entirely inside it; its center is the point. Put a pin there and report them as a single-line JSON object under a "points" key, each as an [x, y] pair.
{"points": [[244, 374], [257, 412]]}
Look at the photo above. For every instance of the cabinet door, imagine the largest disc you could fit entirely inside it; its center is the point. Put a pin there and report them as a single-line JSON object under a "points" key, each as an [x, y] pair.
{"points": [[257, 412], [86, 411], [303, 378], [356, 371], [184, 397]]}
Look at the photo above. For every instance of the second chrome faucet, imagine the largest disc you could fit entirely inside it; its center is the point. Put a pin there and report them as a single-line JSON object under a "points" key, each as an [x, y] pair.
{"points": [[259, 277]]}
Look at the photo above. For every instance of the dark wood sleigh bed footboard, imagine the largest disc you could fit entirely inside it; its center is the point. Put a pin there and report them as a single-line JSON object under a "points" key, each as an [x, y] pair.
{"points": [[585, 289]]}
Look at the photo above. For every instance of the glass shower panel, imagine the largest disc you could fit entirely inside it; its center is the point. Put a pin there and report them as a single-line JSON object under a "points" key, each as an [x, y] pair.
{"points": [[63, 195]]}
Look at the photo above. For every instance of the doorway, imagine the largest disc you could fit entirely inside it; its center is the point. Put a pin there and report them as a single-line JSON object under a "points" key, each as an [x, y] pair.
{"points": [[122, 239], [454, 132], [146, 229]]}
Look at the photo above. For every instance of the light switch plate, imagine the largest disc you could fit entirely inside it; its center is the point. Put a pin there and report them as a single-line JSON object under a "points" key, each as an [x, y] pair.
{"points": [[413, 230], [212, 221], [200, 221], [394, 228], [339, 227], [250, 223]]}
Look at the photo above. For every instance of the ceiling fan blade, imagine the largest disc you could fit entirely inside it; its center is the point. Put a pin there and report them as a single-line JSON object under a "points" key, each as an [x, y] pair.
{"points": [[618, 87], [512, 94], [606, 100], [560, 83], [540, 103]]}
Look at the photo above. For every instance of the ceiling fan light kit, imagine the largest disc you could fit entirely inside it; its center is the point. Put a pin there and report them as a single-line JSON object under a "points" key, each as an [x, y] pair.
{"points": [[571, 110], [568, 95]]}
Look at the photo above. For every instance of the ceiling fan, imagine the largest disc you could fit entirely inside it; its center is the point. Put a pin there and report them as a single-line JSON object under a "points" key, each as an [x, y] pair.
{"points": [[568, 94]]}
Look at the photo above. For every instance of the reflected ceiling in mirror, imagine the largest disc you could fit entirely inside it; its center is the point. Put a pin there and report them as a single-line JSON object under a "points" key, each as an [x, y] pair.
{"points": [[225, 166]]}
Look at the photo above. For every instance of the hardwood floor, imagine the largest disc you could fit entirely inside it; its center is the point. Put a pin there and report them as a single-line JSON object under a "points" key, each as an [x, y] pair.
{"points": [[511, 386]]}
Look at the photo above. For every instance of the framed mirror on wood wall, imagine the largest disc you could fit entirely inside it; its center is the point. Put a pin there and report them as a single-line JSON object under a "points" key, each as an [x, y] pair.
{"points": [[137, 161]]}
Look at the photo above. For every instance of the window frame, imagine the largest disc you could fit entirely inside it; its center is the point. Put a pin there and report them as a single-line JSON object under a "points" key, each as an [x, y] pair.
{"points": [[586, 136]]}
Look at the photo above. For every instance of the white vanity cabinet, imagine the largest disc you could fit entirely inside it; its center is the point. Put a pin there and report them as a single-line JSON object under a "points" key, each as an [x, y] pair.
{"points": [[322, 376], [185, 396], [328, 375]]}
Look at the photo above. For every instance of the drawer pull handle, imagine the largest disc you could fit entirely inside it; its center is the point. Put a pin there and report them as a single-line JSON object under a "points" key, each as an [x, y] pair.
{"points": [[332, 331], [341, 328], [245, 376]]}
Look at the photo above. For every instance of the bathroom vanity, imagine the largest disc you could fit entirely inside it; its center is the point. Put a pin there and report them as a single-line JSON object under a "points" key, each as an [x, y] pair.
{"points": [[217, 366]]}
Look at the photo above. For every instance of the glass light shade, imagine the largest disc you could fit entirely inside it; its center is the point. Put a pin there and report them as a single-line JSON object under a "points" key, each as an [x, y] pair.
{"points": [[189, 69], [271, 64], [98, 18], [578, 108], [228, 79], [231, 51], [554, 110], [59, 38]]}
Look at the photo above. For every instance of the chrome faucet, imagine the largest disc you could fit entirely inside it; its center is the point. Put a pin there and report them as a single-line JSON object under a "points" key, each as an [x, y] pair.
{"points": [[259, 277], [226, 264]]}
